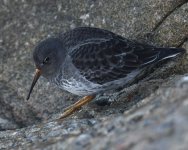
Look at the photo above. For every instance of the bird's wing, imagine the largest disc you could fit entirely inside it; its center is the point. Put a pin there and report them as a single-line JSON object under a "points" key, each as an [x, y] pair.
{"points": [[102, 61]]}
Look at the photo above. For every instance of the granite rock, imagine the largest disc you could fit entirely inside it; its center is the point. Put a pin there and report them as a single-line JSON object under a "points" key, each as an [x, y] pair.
{"points": [[133, 118]]}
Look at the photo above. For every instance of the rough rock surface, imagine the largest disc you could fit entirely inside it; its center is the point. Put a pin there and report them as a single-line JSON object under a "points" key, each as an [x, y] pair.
{"points": [[151, 114]]}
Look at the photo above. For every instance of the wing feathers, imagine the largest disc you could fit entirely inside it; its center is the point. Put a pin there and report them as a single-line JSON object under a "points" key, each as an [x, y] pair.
{"points": [[107, 60]]}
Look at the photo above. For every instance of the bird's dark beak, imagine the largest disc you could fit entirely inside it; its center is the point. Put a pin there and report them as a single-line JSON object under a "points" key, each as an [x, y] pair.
{"points": [[36, 77]]}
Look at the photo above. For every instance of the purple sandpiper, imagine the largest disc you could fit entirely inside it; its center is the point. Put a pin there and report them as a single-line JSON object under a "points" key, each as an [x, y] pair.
{"points": [[86, 61]]}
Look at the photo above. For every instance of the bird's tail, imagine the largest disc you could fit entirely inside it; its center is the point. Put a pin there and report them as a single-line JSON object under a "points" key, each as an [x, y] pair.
{"points": [[166, 53]]}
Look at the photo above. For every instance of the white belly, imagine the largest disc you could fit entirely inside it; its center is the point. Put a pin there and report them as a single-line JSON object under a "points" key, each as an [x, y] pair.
{"points": [[79, 87]]}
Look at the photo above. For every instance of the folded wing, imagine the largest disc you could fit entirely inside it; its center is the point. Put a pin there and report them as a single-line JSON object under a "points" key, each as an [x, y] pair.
{"points": [[106, 60]]}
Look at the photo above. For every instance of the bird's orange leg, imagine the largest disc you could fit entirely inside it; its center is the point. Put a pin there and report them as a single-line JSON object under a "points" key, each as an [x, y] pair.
{"points": [[71, 109]]}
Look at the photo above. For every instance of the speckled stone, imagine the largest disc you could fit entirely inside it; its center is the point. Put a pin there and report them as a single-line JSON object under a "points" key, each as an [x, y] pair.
{"points": [[134, 118]]}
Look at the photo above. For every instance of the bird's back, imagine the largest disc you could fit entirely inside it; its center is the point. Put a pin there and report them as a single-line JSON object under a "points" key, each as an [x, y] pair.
{"points": [[80, 35]]}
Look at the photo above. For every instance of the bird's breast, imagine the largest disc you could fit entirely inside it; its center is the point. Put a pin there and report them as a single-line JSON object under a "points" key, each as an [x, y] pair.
{"points": [[77, 86]]}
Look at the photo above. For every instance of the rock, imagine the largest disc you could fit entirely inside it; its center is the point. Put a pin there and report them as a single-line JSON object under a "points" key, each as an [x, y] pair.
{"points": [[151, 114]]}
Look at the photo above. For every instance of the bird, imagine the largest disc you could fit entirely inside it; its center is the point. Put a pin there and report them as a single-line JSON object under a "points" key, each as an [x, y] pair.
{"points": [[86, 61]]}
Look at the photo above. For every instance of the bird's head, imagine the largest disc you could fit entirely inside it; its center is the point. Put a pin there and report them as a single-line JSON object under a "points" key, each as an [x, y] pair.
{"points": [[48, 56]]}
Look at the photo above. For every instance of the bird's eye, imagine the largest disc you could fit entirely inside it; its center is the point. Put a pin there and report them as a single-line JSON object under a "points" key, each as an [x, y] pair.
{"points": [[46, 60]]}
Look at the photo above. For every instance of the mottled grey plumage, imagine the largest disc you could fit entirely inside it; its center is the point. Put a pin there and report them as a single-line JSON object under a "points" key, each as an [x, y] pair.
{"points": [[86, 61]]}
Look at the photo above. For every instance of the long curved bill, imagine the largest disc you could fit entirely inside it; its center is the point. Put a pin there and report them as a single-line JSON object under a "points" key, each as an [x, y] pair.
{"points": [[36, 77]]}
